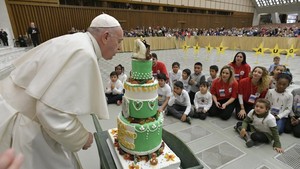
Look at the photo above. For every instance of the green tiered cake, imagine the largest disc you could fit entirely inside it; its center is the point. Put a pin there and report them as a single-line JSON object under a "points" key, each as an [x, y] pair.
{"points": [[139, 134], [139, 124]]}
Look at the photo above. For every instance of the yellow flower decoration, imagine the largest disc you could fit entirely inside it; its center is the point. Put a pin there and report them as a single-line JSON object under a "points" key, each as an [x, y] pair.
{"points": [[170, 157], [133, 166], [114, 131]]}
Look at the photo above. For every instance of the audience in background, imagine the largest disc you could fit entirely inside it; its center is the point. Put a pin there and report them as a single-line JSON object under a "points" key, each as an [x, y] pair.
{"points": [[272, 30]]}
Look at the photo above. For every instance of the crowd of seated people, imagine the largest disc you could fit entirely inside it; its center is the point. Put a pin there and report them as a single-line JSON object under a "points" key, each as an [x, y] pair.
{"points": [[281, 30]]}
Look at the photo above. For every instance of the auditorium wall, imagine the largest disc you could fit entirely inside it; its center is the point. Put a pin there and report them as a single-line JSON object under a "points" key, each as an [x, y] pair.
{"points": [[54, 20]]}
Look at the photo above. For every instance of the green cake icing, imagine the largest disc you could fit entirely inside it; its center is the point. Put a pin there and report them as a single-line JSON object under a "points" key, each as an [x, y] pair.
{"points": [[142, 109], [141, 69], [140, 139]]}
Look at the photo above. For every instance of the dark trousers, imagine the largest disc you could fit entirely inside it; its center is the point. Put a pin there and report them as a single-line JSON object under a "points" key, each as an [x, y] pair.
{"points": [[192, 97], [292, 129], [200, 114], [224, 114], [255, 136], [177, 111], [248, 107], [111, 98], [5, 41], [35, 41]]}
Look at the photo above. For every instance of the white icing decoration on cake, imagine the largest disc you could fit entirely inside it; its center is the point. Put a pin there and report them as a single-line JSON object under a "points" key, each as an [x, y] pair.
{"points": [[139, 50], [151, 104], [125, 107], [137, 105], [153, 126], [142, 128]]}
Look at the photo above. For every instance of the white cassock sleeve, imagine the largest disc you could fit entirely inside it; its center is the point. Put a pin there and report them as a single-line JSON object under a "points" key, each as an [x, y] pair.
{"points": [[64, 128]]}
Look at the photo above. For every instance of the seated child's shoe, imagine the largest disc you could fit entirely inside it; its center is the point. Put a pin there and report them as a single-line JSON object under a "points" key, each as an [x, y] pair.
{"points": [[250, 143], [119, 102], [167, 113], [188, 120]]}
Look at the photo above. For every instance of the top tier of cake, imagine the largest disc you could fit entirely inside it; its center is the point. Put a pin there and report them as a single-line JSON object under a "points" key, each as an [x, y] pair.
{"points": [[141, 69]]}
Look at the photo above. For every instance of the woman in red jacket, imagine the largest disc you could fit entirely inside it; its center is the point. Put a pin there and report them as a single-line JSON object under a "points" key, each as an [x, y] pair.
{"points": [[240, 66], [224, 92], [251, 88]]}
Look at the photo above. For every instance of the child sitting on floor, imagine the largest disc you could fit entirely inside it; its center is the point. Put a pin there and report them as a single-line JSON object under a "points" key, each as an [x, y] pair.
{"points": [[202, 101], [281, 100], [174, 74], [185, 78], [213, 72], [114, 89], [179, 104], [261, 124], [164, 92]]}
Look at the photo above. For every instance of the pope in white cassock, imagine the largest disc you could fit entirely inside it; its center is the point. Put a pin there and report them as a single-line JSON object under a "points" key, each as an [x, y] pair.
{"points": [[50, 86]]}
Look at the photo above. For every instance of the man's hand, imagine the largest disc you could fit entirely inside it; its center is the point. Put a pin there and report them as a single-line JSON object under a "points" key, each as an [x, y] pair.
{"points": [[112, 86], [183, 118], [8, 160], [89, 142], [192, 81], [294, 121]]}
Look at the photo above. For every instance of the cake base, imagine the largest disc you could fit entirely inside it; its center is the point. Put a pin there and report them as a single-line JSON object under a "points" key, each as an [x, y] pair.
{"points": [[166, 160]]}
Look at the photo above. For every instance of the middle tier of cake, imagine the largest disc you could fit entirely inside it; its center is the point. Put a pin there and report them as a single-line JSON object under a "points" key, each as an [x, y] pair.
{"points": [[140, 100], [140, 139]]}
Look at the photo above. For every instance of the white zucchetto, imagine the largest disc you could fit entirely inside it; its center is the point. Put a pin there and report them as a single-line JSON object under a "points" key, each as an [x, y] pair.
{"points": [[104, 21]]}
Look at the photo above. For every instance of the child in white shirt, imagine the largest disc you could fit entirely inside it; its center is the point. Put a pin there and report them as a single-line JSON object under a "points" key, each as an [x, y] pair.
{"points": [[261, 126], [277, 70], [174, 74], [185, 78], [164, 92], [179, 104], [121, 75], [114, 89], [281, 100], [202, 101], [293, 122]]}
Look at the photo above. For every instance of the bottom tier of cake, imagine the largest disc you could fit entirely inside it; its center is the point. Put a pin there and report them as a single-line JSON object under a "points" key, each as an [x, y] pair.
{"points": [[142, 137], [164, 158]]}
